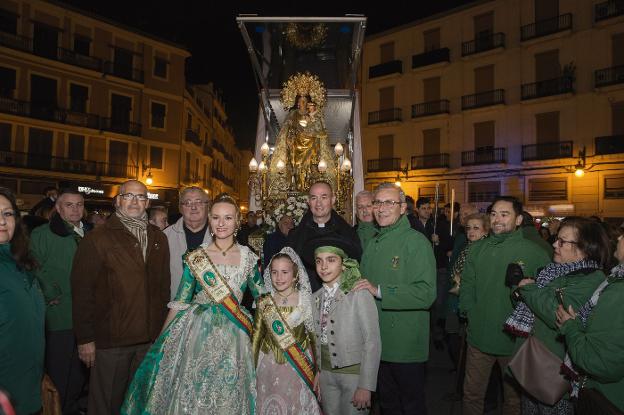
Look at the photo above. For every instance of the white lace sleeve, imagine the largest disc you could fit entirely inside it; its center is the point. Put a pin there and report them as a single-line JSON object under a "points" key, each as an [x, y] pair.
{"points": [[178, 305]]}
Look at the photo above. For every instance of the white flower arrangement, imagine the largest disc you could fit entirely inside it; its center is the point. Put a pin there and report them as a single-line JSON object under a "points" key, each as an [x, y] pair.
{"points": [[294, 206]]}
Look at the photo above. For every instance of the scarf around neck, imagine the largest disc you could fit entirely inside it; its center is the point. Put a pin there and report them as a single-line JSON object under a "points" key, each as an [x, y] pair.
{"points": [[520, 322], [137, 227]]}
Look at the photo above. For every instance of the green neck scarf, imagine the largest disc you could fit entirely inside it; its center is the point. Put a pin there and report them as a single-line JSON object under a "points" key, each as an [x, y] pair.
{"points": [[351, 269]]}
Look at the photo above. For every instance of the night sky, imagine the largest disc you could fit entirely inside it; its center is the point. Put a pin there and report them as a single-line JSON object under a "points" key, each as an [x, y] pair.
{"points": [[208, 30]]}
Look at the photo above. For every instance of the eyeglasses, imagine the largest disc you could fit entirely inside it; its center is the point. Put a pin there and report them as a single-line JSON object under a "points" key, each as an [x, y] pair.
{"points": [[385, 203], [129, 196], [189, 203], [560, 242]]}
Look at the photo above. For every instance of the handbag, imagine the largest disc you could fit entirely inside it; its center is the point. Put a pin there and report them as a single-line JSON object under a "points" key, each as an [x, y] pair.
{"points": [[592, 402], [50, 399], [538, 371]]}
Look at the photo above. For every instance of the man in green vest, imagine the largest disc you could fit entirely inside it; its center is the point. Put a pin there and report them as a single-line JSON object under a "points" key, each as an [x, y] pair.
{"points": [[54, 245], [399, 269], [485, 301]]}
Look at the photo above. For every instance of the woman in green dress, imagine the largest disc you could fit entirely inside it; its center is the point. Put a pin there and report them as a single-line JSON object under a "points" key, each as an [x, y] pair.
{"points": [[202, 362], [22, 313]]}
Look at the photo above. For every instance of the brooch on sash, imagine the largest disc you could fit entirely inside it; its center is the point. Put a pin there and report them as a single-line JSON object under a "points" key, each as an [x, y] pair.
{"points": [[395, 262]]}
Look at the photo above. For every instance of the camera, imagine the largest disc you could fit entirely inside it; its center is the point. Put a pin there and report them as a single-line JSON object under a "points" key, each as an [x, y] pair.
{"points": [[514, 275]]}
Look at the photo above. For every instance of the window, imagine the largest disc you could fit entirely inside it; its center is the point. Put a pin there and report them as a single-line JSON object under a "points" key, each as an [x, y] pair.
{"points": [[432, 39], [8, 22], [7, 82], [614, 188], [82, 45], [386, 146], [483, 191], [617, 49], [617, 118], [158, 115], [431, 141], [483, 25], [156, 157], [484, 135], [5, 136], [189, 121], [484, 78], [76, 147], [431, 89], [386, 52], [547, 127], [430, 192], [386, 98], [78, 96], [547, 65], [160, 67], [551, 188]]}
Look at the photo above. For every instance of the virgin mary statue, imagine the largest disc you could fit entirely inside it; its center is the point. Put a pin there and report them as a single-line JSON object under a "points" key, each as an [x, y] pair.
{"points": [[302, 142]]}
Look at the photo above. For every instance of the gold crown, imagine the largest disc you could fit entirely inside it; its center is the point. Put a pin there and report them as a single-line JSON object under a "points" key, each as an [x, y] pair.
{"points": [[303, 84]]}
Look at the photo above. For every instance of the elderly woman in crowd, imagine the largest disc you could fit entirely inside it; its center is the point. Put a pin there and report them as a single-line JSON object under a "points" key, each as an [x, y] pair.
{"points": [[21, 313], [594, 335], [581, 252]]}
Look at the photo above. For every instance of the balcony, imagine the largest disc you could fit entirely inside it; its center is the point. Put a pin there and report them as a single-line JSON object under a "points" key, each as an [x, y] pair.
{"points": [[123, 71], [193, 136], [484, 155], [379, 165], [120, 126], [430, 161], [207, 150], [430, 108], [386, 68], [77, 59], [65, 165], [431, 57], [48, 113], [483, 43], [389, 115], [611, 144], [608, 10], [556, 86], [483, 99], [609, 76], [16, 42], [547, 151], [546, 27]]}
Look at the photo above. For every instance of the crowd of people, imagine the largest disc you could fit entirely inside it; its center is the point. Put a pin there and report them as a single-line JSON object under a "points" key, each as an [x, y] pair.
{"points": [[136, 316]]}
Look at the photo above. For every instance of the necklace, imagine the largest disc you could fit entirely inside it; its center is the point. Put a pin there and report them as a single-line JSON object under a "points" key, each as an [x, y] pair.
{"points": [[284, 297], [224, 252]]}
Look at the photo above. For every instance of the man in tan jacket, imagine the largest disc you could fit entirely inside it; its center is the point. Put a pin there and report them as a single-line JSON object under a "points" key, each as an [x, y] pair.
{"points": [[120, 289]]}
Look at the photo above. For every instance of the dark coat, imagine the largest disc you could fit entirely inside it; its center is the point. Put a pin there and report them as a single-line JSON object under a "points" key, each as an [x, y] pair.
{"points": [[120, 299], [272, 245], [308, 230]]}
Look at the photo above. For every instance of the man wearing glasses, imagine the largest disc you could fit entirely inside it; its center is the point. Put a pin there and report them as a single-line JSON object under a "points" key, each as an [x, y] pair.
{"points": [[485, 300], [189, 232], [120, 290], [399, 270]]}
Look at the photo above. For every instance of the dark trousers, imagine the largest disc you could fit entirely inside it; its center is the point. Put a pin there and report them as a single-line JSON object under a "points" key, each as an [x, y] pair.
{"points": [[111, 375], [64, 368], [401, 388]]}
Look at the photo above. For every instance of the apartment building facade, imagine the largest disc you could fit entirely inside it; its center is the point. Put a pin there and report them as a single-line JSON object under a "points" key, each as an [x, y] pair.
{"points": [[501, 97], [88, 103]]}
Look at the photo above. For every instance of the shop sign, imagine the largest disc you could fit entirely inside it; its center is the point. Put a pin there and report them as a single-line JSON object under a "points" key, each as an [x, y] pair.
{"points": [[89, 190]]}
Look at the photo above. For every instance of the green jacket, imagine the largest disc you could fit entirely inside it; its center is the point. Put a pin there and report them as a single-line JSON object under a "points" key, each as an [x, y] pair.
{"points": [[598, 348], [54, 246], [400, 261], [22, 337], [365, 231], [532, 234], [484, 299], [577, 288]]}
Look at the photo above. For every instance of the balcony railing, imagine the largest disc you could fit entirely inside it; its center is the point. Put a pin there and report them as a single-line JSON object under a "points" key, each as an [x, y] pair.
{"points": [[65, 165], [609, 76], [483, 99], [546, 151], [123, 71], [386, 68], [608, 9], [546, 27], [483, 43], [77, 59], [431, 57], [389, 115], [430, 161], [377, 165], [612, 144], [193, 136], [17, 42], [430, 108], [48, 113], [484, 155], [120, 126], [556, 86]]}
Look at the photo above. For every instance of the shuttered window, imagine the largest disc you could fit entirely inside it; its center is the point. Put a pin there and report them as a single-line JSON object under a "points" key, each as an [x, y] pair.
{"points": [[546, 189]]}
